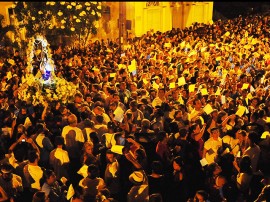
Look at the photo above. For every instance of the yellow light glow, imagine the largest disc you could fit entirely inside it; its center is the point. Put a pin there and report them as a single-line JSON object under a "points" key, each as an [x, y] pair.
{"points": [[72, 29], [60, 13], [33, 18], [40, 12], [78, 20], [62, 3]]}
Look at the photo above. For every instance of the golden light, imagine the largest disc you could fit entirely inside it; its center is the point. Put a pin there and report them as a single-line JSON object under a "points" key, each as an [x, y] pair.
{"points": [[72, 29], [33, 18], [62, 27], [63, 21], [40, 12], [13, 6], [93, 12], [78, 20], [87, 4], [69, 7], [99, 7], [74, 17], [62, 3], [60, 13], [88, 8], [52, 3], [73, 3], [78, 7]]}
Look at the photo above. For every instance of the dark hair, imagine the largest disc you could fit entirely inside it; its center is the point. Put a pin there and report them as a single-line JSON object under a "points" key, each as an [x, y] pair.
{"points": [[59, 140], [39, 196], [93, 171], [32, 156], [161, 135], [245, 165], [48, 173], [99, 118], [157, 167]]}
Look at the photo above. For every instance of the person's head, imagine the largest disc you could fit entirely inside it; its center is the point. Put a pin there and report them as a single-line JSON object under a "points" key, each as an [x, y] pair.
{"points": [[157, 167], [197, 104], [40, 196], [33, 156], [72, 119], [99, 119], [59, 141], [245, 164], [145, 124], [194, 128], [133, 105], [6, 171], [162, 135], [252, 137], [212, 170], [88, 147], [50, 176], [110, 156], [78, 98], [241, 135], [178, 163], [93, 171], [21, 129], [201, 196], [215, 133]]}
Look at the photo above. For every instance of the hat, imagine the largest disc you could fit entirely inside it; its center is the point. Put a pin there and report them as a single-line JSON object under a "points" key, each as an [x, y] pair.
{"points": [[136, 177]]}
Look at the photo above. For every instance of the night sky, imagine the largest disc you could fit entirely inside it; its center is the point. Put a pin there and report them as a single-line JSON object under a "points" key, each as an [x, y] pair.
{"points": [[231, 10]]}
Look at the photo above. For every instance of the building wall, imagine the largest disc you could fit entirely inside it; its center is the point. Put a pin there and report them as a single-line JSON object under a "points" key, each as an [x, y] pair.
{"points": [[146, 16]]}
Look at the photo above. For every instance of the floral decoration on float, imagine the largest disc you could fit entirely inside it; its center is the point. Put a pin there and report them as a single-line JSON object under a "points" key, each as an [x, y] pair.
{"points": [[44, 86]]}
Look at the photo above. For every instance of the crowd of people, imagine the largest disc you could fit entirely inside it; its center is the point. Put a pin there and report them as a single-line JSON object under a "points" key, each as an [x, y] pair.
{"points": [[176, 116]]}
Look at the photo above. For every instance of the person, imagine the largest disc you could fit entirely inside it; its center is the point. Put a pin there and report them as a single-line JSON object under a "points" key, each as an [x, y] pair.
{"points": [[52, 188], [112, 175], [244, 176], [139, 190], [211, 146], [59, 159], [40, 196], [92, 184], [177, 191], [157, 180], [253, 151], [10, 183], [33, 173]]}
